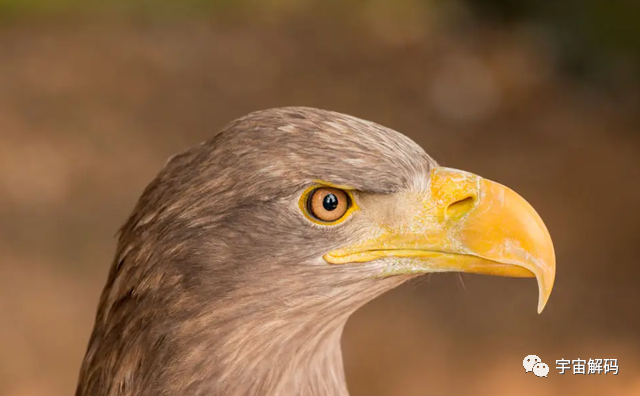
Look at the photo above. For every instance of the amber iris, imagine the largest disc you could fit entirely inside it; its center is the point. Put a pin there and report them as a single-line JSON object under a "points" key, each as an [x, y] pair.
{"points": [[328, 204]]}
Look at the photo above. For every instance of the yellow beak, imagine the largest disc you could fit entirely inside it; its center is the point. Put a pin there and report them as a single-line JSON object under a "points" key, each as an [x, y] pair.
{"points": [[467, 224]]}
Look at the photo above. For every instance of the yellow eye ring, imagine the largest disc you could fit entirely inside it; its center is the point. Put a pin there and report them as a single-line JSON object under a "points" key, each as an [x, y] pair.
{"points": [[327, 204]]}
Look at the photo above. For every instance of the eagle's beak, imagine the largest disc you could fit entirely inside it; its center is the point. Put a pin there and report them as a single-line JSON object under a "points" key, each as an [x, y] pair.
{"points": [[464, 223]]}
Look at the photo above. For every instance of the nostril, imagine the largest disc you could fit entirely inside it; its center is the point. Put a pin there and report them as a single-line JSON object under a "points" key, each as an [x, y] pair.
{"points": [[461, 207]]}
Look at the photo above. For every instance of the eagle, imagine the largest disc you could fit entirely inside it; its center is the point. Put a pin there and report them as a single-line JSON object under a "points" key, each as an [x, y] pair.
{"points": [[244, 258]]}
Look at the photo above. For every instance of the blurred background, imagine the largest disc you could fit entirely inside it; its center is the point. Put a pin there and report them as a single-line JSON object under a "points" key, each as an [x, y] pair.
{"points": [[541, 96]]}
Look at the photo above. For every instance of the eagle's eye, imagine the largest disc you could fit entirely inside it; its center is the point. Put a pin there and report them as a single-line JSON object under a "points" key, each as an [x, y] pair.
{"points": [[328, 204]]}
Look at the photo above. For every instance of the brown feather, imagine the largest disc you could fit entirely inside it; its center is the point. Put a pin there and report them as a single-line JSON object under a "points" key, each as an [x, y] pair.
{"points": [[218, 286]]}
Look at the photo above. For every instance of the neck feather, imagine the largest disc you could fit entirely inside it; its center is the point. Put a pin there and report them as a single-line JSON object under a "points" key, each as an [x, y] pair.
{"points": [[303, 360], [188, 337]]}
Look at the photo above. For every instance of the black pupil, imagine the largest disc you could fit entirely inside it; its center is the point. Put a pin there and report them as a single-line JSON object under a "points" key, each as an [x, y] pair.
{"points": [[330, 202]]}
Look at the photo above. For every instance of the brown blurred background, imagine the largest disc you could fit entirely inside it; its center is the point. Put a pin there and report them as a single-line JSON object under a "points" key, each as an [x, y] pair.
{"points": [[545, 98]]}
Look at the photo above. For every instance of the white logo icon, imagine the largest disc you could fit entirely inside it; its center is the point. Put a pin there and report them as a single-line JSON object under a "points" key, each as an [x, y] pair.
{"points": [[530, 361], [541, 369], [534, 363]]}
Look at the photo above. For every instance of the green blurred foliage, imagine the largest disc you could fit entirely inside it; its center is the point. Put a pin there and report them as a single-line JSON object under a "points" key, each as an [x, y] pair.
{"points": [[21, 8], [593, 38]]}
